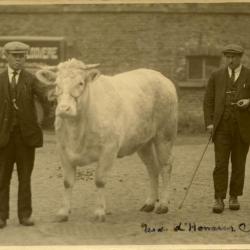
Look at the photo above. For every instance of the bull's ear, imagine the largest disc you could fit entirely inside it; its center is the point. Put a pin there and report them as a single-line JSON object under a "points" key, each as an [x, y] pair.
{"points": [[92, 75], [46, 76]]}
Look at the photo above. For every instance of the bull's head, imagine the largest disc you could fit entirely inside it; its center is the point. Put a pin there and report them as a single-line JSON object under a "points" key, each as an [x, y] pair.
{"points": [[67, 82]]}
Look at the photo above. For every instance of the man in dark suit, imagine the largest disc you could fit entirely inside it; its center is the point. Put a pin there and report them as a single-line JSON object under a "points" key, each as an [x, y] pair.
{"points": [[227, 117], [20, 132]]}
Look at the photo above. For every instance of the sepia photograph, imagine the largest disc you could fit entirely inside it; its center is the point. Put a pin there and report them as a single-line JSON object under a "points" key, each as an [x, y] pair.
{"points": [[124, 124]]}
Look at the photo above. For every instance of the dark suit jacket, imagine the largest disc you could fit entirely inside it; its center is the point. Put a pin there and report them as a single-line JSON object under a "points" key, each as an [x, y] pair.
{"points": [[215, 96], [27, 88]]}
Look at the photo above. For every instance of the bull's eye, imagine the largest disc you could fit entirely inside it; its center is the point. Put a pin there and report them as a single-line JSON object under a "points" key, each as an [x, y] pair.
{"points": [[76, 92]]}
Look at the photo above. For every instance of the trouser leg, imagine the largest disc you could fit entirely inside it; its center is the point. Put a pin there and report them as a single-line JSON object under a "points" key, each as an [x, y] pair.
{"points": [[25, 162], [222, 147], [7, 159], [238, 159]]}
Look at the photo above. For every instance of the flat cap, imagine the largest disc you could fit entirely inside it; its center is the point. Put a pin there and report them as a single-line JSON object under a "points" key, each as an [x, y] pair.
{"points": [[233, 48], [16, 47]]}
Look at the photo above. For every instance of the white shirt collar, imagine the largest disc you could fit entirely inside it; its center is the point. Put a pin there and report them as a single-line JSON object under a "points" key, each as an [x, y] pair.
{"points": [[10, 74], [236, 71], [10, 70]]}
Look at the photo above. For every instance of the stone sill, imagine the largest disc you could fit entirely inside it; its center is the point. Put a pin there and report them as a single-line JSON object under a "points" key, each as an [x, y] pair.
{"points": [[119, 6], [192, 84]]}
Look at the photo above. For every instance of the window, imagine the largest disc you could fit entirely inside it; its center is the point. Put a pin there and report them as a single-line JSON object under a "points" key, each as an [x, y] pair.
{"points": [[200, 67]]}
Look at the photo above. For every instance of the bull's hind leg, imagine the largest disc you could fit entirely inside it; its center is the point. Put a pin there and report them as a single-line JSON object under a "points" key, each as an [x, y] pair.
{"points": [[147, 155], [69, 180], [165, 159]]}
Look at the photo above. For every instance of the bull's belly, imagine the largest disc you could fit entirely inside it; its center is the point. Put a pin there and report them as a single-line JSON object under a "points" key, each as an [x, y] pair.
{"points": [[132, 146], [124, 151], [91, 150], [133, 139]]}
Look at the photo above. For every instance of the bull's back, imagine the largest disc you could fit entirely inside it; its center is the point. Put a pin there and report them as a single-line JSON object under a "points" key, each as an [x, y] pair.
{"points": [[148, 100], [146, 93], [144, 85]]}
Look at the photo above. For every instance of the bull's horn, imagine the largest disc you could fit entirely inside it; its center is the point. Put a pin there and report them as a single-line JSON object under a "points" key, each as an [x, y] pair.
{"points": [[51, 68], [46, 76], [91, 66]]}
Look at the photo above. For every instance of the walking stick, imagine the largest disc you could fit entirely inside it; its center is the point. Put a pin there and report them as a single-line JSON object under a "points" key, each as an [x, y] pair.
{"points": [[205, 149]]}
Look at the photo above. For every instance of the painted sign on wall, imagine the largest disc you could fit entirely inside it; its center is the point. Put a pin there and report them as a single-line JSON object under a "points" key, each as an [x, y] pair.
{"points": [[43, 50]]}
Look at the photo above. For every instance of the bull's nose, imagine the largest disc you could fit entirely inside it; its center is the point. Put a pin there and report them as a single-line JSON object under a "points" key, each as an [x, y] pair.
{"points": [[64, 108]]}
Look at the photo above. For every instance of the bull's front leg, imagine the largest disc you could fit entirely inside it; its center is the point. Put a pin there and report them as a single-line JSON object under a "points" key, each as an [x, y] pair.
{"points": [[103, 167], [69, 180]]}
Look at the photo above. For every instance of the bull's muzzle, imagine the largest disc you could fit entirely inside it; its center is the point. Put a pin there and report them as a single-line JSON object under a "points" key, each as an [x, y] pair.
{"points": [[63, 109]]}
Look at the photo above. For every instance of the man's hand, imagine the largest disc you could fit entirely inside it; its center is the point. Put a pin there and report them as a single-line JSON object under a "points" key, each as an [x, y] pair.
{"points": [[243, 103], [210, 128]]}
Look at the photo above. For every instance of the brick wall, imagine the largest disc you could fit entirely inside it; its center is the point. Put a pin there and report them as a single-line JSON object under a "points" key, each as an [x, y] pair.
{"points": [[191, 110], [123, 37]]}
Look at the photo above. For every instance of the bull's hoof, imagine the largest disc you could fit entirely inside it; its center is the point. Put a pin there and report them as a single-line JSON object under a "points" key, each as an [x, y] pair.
{"points": [[62, 218], [147, 208], [100, 218], [161, 210], [100, 215]]}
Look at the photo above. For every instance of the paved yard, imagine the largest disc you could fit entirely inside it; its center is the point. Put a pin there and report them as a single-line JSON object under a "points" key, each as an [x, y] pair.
{"points": [[126, 190]]}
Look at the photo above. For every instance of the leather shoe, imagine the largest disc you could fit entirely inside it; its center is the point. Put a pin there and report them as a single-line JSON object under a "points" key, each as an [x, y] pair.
{"points": [[27, 222], [2, 223], [234, 203], [218, 206]]}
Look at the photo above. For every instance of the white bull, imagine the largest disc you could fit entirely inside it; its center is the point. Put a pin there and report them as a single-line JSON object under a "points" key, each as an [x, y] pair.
{"points": [[100, 118]]}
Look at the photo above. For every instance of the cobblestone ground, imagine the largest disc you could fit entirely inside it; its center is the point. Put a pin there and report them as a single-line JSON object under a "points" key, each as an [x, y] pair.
{"points": [[126, 191]]}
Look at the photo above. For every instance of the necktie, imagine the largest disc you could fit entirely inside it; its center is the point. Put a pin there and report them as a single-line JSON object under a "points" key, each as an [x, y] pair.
{"points": [[13, 88], [233, 76]]}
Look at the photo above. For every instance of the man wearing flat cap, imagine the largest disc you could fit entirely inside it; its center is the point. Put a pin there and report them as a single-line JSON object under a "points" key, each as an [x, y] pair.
{"points": [[20, 132], [227, 118]]}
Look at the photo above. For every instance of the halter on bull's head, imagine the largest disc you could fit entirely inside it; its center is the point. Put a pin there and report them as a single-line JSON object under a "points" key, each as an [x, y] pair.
{"points": [[67, 82]]}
